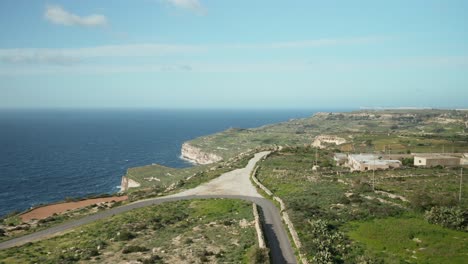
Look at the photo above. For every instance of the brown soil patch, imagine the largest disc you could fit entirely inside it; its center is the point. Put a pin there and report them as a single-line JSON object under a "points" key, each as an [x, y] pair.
{"points": [[49, 210]]}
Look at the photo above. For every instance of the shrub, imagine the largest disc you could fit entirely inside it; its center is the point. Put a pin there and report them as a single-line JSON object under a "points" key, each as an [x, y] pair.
{"points": [[227, 222], [420, 201], [132, 249], [258, 255], [453, 217], [154, 259], [328, 244], [363, 187], [408, 161], [125, 235]]}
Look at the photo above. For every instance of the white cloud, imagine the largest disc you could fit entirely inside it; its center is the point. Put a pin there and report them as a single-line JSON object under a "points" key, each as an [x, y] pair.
{"points": [[313, 43], [32, 55], [38, 57], [58, 15], [193, 5]]}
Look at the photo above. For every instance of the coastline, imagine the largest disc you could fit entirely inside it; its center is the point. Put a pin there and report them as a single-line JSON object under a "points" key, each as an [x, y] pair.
{"points": [[197, 156]]}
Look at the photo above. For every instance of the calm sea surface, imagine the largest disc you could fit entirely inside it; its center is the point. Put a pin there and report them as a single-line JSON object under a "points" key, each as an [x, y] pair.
{"points": [[47, 155]]}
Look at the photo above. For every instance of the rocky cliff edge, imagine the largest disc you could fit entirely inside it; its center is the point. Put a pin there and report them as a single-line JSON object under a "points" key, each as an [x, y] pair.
{"points": [[198, 156]]}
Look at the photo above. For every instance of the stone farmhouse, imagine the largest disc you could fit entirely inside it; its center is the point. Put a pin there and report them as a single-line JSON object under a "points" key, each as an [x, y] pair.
{"points": [[366, 162]]}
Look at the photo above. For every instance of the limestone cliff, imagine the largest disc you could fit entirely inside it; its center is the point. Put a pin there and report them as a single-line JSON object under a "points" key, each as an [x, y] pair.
{"points": [[128, 183], [196, 155]]}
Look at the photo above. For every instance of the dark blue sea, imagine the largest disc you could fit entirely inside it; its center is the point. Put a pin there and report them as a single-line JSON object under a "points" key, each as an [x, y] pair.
{"points": [[48, 155]]}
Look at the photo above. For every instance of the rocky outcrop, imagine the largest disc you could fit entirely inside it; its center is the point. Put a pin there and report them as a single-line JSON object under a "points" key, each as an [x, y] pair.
{"points": [[128, 183], [321, 139], [196, 155]]}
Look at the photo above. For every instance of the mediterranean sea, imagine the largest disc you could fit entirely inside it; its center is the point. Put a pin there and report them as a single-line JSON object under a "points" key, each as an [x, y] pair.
{"points": [[48, 155]]}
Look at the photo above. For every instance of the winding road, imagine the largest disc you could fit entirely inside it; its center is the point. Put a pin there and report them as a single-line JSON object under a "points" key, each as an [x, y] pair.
{"points": [[235, 184]]}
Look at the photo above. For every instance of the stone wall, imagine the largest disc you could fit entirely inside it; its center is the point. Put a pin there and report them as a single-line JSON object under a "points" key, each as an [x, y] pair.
{"points": [[258, 227], [284, 215]]}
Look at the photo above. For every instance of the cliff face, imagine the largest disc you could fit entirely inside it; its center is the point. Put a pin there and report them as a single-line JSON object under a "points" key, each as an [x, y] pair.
{"points": [[128, 183], [197, 155]]}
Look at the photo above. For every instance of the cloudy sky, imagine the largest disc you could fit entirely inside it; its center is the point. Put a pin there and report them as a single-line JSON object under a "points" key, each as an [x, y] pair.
{"points": [[233, 54]]}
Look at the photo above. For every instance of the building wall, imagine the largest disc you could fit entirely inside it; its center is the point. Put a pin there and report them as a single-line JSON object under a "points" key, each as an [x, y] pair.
{"points": [[419, 161], [443, 162], [434, 161]]}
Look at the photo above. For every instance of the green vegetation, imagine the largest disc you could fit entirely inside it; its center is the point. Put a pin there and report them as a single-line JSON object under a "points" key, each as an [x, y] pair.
{"points": [[410, 239], [157, 175], [13, 227], [331, 207], [449, 217], [390, 131], [219, 230], [179, 179]]}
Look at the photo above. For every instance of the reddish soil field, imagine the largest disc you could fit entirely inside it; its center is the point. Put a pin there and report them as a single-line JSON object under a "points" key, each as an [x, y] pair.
{"points": [[49, 210]]}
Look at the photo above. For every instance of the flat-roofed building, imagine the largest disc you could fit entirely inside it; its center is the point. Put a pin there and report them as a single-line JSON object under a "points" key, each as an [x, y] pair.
{"points": [[432, 160], [365, 162]]}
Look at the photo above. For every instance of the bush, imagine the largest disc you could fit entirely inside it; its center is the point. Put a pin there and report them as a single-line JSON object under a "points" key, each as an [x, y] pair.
{"points": [[408, 161], [362, 187], [258, 256], [420, 201], [125, 235], [453, 217], [132, 249], [328, 244], [154, 259]]}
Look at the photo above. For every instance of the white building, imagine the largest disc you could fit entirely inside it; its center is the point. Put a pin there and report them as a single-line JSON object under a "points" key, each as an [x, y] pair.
{"points": [[464, 159], [365, 162]]}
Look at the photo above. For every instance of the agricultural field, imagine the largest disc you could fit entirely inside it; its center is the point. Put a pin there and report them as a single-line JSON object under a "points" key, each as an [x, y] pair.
{"points": [[389, 131], [341, 219], [196, 231], [12, 226]]}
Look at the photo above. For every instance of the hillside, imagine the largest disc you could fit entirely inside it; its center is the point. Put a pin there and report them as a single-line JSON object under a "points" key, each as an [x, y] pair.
{"points": [[385, 131]]}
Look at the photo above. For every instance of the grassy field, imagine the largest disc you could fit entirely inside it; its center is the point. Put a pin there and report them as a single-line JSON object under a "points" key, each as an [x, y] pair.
{"points": [[20, 228], [196, 231], [410, 239], [437, 186], [157, 175], [395, 131], [334, 211], [179, 179]]}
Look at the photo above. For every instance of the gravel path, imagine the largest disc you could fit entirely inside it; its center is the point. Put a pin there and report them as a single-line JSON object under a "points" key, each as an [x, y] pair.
{"points": [[233, 185]]}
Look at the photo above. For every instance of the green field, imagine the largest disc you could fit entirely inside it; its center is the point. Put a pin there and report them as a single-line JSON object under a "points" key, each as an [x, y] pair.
{"points": [[334, 211], [410, 239], [196, 231]]}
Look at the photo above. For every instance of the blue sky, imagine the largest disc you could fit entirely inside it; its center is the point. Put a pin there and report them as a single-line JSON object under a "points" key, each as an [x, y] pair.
{"points": [[233, 54]]}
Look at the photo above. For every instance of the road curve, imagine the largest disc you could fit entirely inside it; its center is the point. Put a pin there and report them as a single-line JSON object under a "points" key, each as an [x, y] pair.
{"points": [[275, 233]]}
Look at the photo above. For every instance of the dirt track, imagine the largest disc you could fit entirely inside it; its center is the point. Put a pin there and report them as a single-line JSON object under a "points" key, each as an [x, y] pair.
{"points": [[49, 210]]}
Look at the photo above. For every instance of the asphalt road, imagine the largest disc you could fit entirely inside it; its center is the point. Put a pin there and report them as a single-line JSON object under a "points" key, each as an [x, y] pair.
{"points": [[275, 233]]}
